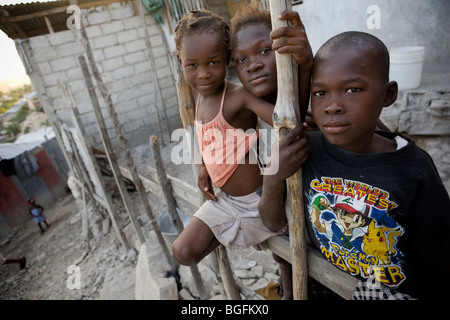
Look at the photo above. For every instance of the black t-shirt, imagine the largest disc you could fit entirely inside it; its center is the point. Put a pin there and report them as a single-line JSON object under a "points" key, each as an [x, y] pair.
{"points": [[383, 216]]}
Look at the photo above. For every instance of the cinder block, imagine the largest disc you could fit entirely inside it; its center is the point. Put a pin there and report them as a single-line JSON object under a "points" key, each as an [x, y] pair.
{"points": [[44, 54], [105, 41], [39, 42], [58, 38], [98, 17], [63, 64], [114, 51], [122, 72], [112, 27], [127, 35], [123, 12], [151, 284], [111, 64], [135, 57], [135, 45], [93, 31], [70, 49], [44, 68], [141, 67]]}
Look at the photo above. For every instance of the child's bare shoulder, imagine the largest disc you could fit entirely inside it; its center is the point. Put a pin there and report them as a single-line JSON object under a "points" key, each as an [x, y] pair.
{"points": [[239, 92]]}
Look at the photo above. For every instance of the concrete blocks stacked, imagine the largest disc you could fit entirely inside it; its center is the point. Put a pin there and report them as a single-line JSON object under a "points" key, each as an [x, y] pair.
{"points": [[117, 37]]}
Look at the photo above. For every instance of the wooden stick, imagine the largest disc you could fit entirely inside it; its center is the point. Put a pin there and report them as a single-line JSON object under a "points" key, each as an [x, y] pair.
{"points": [[285, 118], [123, 143], [156, 86], [231, 288], [110, 150], [76, 121], [172, 208]]}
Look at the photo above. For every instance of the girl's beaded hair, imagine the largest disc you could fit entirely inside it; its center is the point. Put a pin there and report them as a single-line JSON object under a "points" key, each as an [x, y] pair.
{"points": [[201, 21]]}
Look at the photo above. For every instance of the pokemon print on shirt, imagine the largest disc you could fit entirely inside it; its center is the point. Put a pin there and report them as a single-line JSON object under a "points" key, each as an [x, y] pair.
{"points": [[350, 221]]}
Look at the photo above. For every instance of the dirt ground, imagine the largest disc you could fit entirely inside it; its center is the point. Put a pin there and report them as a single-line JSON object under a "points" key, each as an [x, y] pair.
{"points": [[49, 255], [106, 271]]}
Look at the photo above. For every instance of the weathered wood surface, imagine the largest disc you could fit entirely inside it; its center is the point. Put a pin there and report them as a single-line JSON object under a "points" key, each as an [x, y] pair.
{"points": [[285, 118]]}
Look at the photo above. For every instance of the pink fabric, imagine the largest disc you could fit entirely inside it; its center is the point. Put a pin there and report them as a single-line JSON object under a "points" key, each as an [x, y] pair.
{"points": [[222, 146]]}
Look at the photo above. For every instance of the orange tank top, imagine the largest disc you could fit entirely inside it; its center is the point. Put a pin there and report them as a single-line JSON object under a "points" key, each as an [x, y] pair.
{"points": [[222, 146]]}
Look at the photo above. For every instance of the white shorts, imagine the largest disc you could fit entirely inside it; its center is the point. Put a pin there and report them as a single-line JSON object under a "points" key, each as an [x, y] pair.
{"points": [[235, 221]]}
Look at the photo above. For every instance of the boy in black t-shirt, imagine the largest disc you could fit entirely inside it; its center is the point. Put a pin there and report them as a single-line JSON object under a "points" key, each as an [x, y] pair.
{"points": [[374, 202]]}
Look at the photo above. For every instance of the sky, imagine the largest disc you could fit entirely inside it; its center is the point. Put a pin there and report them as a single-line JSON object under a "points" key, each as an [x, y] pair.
{"points": [[10, 64]]}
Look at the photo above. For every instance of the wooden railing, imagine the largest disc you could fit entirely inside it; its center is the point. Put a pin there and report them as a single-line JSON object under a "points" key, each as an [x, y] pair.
{"points": [[318, 267]]}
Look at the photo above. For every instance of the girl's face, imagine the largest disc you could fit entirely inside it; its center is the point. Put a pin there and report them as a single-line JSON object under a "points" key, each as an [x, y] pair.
{"points": [[204, 60], [255, 61]]}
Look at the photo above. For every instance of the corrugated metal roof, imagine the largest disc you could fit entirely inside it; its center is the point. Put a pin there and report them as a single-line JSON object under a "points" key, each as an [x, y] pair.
{"points": [[26, 143], [26, 20]]}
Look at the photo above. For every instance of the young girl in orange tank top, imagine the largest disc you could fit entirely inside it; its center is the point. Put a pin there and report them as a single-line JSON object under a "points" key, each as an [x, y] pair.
{"points": [[231, 216]]}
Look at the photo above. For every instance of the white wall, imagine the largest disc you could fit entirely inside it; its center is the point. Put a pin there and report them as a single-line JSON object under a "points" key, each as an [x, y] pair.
{"points": [[403, 23], [118, 41]]}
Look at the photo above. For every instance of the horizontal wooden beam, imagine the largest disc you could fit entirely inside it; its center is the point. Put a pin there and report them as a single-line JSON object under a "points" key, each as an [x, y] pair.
{"points": [[318, 267]]}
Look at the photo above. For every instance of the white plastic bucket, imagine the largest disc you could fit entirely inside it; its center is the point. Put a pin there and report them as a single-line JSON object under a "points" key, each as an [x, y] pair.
{"points": [[167, 229], [406, 66]]}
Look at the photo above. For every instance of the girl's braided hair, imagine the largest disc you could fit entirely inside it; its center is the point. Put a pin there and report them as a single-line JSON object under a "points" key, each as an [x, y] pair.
{"points": [[250, 16], [199, 22]]}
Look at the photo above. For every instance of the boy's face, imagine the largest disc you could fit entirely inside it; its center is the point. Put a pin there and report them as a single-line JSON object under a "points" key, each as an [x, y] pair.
{"points": [[204, 60], [255, 61], [347, 96]]}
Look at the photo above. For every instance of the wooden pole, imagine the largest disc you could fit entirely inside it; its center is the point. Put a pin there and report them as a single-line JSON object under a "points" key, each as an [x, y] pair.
{"points": [[285, 118], [226, 273], [172, 208], [123, 143], [109, 149], [156, 86], [76, 120]]}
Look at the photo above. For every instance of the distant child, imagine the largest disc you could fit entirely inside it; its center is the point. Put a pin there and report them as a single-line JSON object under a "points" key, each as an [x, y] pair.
{"points": [[375, 204], [254, 56], [37, 212], [225, 121]]}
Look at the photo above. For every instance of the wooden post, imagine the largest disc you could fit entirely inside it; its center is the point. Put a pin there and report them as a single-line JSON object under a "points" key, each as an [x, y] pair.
{"points": [[123, 143], [109, 149], [285, 118], [76, 120], [172, 208], [156, 86], [231, 288]]}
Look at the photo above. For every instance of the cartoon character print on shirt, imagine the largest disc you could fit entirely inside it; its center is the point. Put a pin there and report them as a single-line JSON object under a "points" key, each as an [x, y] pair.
{"points": [[351, 222]]}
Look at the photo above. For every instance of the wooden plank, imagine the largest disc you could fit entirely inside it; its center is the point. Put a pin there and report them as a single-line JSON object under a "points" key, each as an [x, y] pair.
{"points": [[318, 267], [76, 121], [110, 150], [172, 209]]}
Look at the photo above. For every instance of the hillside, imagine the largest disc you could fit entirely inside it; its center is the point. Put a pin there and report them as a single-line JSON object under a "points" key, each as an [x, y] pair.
{"points": [[13, 83]]}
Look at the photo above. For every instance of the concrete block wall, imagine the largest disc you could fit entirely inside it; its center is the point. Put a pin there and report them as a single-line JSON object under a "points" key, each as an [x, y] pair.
{"points": [[117, 37]]}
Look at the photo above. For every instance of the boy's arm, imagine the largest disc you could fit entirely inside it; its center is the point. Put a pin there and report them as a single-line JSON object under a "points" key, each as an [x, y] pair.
{"points": [[291, 153], [294, 41]]}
